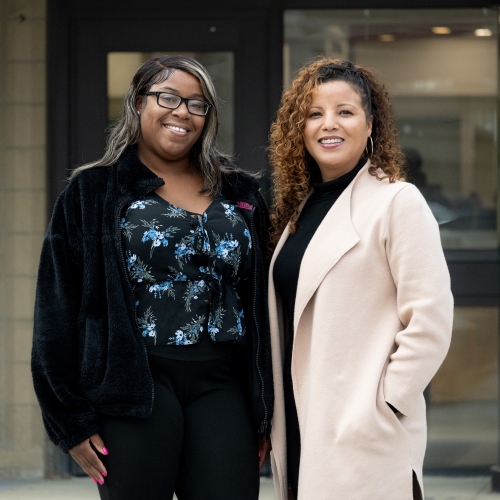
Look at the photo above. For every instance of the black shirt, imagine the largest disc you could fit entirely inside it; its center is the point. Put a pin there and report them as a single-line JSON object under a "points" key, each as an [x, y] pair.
{"points": [[184, 268]]}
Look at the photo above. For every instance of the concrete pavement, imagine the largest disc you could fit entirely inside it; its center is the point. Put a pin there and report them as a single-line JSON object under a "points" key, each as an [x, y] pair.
{"points": [[436, 488]]}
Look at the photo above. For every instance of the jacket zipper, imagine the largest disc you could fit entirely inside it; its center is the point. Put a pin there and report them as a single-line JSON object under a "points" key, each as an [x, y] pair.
{"points": [[134, 326], [263, 425]]}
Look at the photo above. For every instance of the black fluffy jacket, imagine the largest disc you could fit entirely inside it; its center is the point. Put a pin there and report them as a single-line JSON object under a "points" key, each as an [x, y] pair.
{"points": [[89, 358]]}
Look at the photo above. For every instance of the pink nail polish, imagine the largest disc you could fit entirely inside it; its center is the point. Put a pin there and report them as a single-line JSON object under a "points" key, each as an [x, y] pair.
{"points": [[100, 481], [105, 474], [94, 479], [104, 450]]}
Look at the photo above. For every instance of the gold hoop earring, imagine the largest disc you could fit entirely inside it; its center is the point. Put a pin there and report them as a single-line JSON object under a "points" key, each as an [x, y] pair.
{"points": [[366, 147]]}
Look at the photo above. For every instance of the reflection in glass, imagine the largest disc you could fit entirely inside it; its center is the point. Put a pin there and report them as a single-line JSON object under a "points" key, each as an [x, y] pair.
{"points": [[463, 411], [441, 69], [220, 66]]}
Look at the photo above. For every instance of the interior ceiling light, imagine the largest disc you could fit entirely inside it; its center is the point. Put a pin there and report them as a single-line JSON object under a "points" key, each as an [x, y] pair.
{"points": [[483, 32], [386, 38], [441, 30]]}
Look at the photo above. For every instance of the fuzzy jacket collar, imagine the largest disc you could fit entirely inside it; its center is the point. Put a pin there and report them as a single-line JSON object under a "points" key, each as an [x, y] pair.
{"points": [[133, 177]]}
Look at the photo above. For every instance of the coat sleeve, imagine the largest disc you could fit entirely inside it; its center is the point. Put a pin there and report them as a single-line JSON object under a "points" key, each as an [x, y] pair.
{"points": [[424, 299], [68, 417]]}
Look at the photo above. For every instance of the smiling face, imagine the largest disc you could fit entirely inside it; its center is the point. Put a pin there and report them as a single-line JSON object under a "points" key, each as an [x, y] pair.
{"points": [[169, 134], [336, 128]]}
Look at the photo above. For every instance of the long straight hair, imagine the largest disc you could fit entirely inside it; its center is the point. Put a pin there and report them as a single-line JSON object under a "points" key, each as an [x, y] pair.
{"points": [[205, 155]]}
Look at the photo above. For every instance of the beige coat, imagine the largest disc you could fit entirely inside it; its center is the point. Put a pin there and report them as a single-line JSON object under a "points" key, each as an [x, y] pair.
{"points": [[373, 321]]}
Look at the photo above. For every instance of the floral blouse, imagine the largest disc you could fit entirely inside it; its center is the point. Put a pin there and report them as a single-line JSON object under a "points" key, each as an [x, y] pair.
{"points": [[184, 268]]}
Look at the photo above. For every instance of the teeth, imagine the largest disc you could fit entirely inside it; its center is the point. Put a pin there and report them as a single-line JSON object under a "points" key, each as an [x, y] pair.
{"points": [[331, 141], [178, 129]]}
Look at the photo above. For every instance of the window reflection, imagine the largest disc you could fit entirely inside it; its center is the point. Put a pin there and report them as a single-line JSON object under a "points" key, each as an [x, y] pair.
{"points": [[220, 66], [463, 411], [441, 68]]}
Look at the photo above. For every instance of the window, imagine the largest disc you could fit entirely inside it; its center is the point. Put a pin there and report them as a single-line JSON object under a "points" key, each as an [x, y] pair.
{"points": [[441, 70]]}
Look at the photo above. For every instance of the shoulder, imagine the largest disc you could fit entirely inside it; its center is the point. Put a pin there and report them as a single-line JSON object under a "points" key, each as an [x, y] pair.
{"points": [[240, 183], [82, 191], [382, 187], [90, 183], [93, 176]]}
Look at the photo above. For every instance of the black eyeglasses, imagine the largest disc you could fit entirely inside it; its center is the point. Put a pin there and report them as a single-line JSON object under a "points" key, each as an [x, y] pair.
{"points": [[172, 101]]}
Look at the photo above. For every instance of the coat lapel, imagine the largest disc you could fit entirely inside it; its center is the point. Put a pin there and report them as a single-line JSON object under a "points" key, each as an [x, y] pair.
{"points": [[334, 237]]}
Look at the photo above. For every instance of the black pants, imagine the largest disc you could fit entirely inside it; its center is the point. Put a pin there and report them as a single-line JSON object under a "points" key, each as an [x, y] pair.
{"points": [[199, 442]]}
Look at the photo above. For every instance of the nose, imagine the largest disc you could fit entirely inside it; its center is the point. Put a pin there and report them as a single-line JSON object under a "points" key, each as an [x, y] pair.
{"points": [[330, 121], [182, 110]]}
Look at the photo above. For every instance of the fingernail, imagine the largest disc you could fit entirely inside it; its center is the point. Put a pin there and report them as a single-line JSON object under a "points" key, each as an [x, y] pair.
{"points": [[260, 453], [104, 450], [94, 479], [105, 474], [100, 481]]}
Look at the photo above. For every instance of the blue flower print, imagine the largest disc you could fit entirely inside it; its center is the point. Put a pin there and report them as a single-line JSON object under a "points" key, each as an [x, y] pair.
{"points": [[175, 212], [184, 249], [231, 214], [238, 329], [137, 269], [147, 324], [161, 288], [194, 242], [189, 333], [140, 204], [127, 228], [211, 272], [246, 232], [215, 322], [156, 236], [193, 290], [228, 249]]}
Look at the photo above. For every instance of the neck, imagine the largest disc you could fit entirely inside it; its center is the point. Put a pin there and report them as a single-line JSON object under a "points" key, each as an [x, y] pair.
{"points": [[166, 168]]}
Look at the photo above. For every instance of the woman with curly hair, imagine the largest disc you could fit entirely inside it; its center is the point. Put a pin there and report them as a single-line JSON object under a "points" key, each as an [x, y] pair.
{"points": [[360, 303]]}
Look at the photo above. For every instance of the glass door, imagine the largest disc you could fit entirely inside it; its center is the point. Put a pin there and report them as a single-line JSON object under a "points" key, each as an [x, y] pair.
{"points": [[105, 53]]}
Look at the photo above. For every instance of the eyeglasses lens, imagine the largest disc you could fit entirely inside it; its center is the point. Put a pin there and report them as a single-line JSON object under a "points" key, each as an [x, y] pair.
{"points": [[173, 101]]}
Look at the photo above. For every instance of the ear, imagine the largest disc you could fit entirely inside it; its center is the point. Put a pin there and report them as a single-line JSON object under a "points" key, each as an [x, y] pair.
{"points": [[138, 103], [369, 125]]}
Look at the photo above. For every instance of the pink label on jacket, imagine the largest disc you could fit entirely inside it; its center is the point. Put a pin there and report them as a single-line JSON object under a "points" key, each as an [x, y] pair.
{"points": [[245, 205]]}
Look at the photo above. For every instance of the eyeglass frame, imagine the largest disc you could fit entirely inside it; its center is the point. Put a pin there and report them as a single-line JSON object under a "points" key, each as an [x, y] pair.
{"points": [[182, 99]]}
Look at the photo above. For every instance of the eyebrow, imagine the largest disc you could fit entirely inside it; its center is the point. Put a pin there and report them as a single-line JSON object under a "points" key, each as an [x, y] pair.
{"points": [[338, 105], [170, 89]]}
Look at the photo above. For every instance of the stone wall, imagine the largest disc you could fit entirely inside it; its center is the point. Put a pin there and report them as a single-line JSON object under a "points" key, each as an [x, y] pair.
{"points": [[22, 225]]}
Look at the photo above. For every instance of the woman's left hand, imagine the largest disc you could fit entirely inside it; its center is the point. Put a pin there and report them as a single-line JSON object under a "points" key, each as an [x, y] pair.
{"points": [[264, 450]]}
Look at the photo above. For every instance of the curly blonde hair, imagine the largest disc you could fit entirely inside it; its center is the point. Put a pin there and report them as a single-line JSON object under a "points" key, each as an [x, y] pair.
{"points": [[289, 158]]}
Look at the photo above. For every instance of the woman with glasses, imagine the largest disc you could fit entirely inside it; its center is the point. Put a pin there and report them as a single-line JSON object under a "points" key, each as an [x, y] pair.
{"points": [[151, 349], [360, 302]]}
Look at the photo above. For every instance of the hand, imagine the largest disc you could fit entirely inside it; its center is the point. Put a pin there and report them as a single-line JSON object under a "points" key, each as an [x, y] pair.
{"points": [[264, 450], [88, 460]]}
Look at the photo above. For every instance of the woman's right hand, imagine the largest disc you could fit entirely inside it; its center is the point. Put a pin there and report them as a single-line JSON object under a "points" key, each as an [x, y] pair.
{"points": [[88, 459]]}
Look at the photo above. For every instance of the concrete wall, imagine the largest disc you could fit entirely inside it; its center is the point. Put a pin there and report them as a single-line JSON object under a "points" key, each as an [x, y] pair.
{"points": [[22, 225]]}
